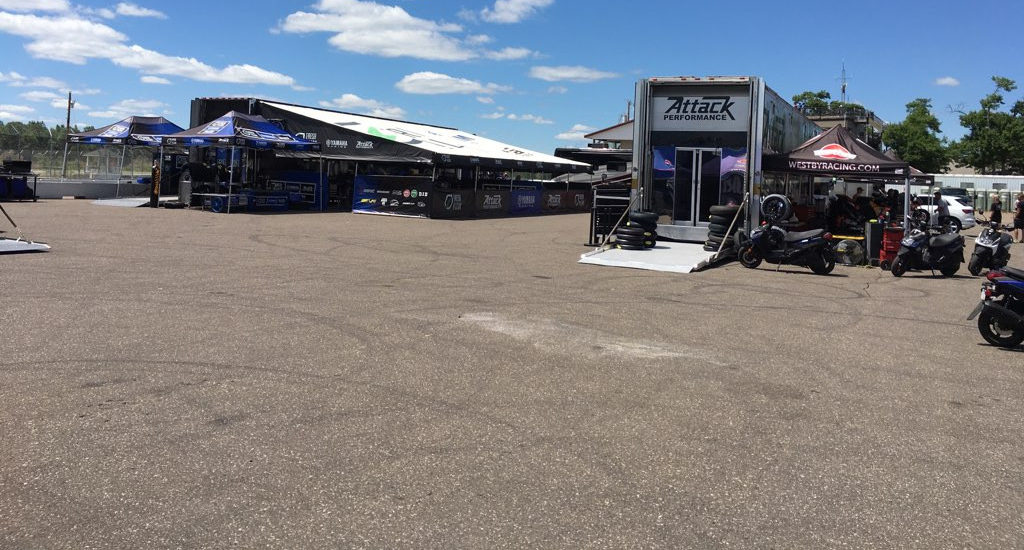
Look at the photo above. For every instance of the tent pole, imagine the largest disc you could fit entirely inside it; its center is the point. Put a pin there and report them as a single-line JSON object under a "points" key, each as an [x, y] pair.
{"points": [[476, 177], [231, 177], [64, 164], [323, 207], [120, 168], [160, 173], [906, 203]]}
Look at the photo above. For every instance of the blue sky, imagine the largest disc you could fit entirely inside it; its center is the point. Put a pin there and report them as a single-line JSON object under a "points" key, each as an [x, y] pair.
{"points": [[534, 73]]}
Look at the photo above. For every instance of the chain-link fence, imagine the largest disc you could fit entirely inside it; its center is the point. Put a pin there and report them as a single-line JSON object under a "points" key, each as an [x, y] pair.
{"points": [[90, 162]]}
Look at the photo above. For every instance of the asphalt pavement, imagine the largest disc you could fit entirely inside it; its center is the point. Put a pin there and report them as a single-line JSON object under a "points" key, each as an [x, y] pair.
{"points": [[183, 379]]}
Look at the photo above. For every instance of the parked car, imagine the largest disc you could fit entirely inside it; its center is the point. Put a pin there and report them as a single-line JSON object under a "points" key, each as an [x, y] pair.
{"points": [[961, 210]]}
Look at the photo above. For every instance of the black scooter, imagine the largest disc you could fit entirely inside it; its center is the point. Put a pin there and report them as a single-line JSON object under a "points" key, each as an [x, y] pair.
{"points": [[920, 249], [991, 249], [774, 244], [1000, 312]]}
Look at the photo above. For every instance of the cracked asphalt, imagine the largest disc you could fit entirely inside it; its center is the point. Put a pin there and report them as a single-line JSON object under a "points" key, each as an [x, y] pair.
{"points": [[182, 379]]}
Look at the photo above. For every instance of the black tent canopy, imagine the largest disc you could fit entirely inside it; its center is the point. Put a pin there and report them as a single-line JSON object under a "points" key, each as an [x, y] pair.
{"points": [[837, 152]]}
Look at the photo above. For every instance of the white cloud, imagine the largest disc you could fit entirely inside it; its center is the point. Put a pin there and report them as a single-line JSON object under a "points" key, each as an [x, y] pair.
{"points": [[87, 91], [62, 103], [569, 74], [576, 133], [130, 107], [40, 82], [148, 79], [131, 10], [508, 54], [485, 100], [536, 119], [512, 11], [11, 77], [435, 83], [947, 81], [370, 28], [500, 113], [76, 40], [558, 90], [16, 108], [35, 5], [359, 105], [39, 95]]}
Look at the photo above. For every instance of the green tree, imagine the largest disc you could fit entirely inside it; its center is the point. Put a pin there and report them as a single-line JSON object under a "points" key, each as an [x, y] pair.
{"points": [[992, 144], [812, 103], [916, 139]]}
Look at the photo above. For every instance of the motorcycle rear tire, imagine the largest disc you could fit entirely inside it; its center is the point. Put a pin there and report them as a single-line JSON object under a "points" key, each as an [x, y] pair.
{"points": [[749, 257], [950, 269], [898, 267], [990, 329], [824, 263]]}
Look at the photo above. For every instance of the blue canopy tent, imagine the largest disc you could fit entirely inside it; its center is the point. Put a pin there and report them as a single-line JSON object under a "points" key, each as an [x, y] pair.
{"points": [[133, 131], [233, 130]]}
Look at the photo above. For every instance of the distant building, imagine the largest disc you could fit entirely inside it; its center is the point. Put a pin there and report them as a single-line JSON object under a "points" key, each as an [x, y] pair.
{"points": [[858, 120]]}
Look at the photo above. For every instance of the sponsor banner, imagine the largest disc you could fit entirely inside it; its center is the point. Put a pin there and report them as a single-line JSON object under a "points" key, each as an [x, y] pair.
{"points": [[405, 197], [576, 201], [700, 113], [492, 204], [524, 202], [458, 203]]}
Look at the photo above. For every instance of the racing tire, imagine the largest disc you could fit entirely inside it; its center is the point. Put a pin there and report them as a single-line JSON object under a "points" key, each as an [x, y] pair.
{"points": [[898, 267], [776, 208], [824, 263], [717, 229], [721, 220], [634, 241], [629, 247], [994, 333], [643, 217], [749, 257], [634, 231], [724, 211], [715, 239], [949, 269], [977, 263]]}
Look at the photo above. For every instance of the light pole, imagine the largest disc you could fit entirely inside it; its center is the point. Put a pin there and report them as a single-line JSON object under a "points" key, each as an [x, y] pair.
{"points": [[67, 132]]}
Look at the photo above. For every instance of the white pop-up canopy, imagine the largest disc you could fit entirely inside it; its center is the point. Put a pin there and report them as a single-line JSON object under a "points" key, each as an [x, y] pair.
{"points": [[346, 135]]}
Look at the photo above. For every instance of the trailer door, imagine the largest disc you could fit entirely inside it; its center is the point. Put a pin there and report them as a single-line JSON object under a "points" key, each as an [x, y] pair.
{"points": [[698, 184]]}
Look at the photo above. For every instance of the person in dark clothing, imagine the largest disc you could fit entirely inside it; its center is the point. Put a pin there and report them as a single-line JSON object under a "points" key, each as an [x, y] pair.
{"points": [[997, 210], [1018, 218]]}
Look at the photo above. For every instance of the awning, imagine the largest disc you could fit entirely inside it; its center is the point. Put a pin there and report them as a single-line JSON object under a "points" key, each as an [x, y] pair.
{"points": [[370, 138], [235, 129], [837, 152], [134, 130]]}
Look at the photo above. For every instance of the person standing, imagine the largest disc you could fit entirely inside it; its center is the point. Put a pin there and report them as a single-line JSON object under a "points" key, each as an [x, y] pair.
{"points": [[997, 209], [1018, 218], [941, 210]]}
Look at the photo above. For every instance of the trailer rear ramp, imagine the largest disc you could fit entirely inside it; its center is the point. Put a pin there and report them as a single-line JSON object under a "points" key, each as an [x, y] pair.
{"points": [[665, 256]]}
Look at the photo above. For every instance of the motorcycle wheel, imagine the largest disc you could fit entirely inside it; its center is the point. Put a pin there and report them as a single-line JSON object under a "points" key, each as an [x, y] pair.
{"points": [[749, 257], [949, 269], [976, 264], [824, 263], [898, 267], [994, 333]]}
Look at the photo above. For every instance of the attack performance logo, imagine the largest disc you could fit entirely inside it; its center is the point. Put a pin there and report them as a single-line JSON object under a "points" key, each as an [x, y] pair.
{"points": [[700, 108], [700, 113], [834, 151]]}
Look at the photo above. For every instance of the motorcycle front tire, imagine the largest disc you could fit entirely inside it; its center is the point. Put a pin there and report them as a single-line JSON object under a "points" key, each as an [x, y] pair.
{"points": [[898, 267], [993, 333], [749, 257], [978, 261]]}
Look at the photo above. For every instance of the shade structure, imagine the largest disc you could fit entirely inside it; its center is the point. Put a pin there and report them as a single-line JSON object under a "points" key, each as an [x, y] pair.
{"points": [[837, 152], [134, 130], [357, 137], [234, 129]]}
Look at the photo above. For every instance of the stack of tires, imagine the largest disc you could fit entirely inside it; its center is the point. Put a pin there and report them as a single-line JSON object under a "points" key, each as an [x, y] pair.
{"points": [[639, 232], [718, 229]]}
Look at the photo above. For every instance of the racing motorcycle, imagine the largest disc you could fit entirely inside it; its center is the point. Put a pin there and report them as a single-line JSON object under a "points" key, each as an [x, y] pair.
{"points": [[920, 249], [1000, 312], [774, 244], [991, 249]]}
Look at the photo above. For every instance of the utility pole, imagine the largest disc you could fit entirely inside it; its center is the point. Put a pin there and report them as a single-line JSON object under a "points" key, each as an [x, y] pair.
{"points": [[67, 132]]}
